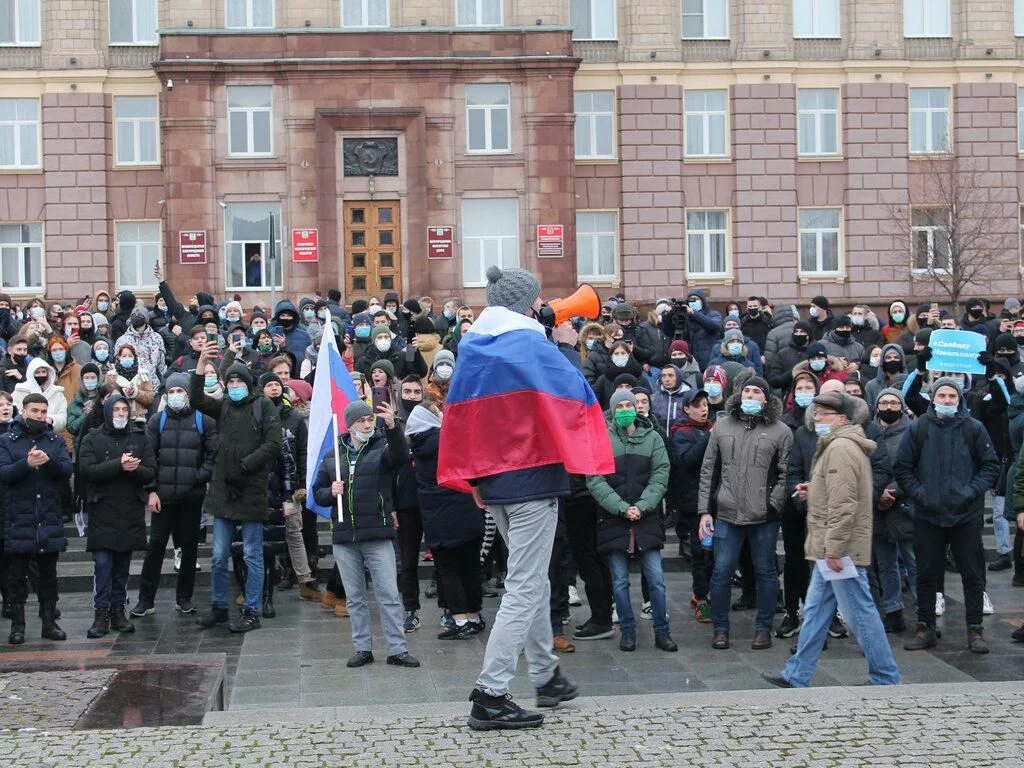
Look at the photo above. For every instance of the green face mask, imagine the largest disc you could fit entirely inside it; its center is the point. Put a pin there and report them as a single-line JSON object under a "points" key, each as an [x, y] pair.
{"points": [[625, 419]]}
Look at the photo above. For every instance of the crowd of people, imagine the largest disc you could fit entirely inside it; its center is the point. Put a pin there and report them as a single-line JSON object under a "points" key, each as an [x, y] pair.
{"points": [[725, 424]]}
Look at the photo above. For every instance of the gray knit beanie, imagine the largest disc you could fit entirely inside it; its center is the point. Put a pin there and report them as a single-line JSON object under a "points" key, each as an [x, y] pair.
{"points": [[354, 411], [182, 380], [514, 288], [619, 396]]}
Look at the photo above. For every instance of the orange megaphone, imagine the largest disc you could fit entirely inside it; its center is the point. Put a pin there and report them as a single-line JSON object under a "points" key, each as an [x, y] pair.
{"points": [[584, 303]]}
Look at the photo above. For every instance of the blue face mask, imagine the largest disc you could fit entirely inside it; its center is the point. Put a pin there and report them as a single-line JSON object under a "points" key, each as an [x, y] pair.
{"points": [[734, 348], [128, 363], [696, 306], [102, 355], [734, 313], [803, 399], [817, 365], [59, 355], [210, 382], [90, 384], [946, 411], [751, 407], [713, 388], [102, 306], [590, 343], [363, 332], [822, 430], [238, 394]]}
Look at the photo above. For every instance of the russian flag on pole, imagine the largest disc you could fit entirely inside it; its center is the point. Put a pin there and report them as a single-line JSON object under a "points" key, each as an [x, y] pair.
{"points": [[516, 402], [332, 391]]}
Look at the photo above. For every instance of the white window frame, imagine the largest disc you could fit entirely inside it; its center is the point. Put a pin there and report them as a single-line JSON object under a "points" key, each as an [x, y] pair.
{"points": [[819, 134], [704, 21], [1018, 18], [499, 240], [137, 34], [479, 14], [22, 246], [705, 116], [820, 233], [813, 11], [929, 113], [489, 111], [20, 8], [704, 234], [250, 14], [136, 248], [924, 10], [137, 125], [249, 112], [18, 124], [594, 238], [277, 209], [365, 11], [594, 8], [589, 119], [930, 231]]}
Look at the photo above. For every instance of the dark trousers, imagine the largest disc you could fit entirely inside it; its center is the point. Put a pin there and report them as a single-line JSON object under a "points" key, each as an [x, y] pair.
{"points": [[558, 574], [581, 533], [17, 576], [796, 573], [703, 564], [410, 534], [309, 539], [964, 541], [458, 569], [1018, 554], [110, 577], [3, 571], [181, 521]]}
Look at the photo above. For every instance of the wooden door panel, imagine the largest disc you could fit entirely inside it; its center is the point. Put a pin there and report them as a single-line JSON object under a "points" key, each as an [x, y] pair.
{"points": [[373, 248]]}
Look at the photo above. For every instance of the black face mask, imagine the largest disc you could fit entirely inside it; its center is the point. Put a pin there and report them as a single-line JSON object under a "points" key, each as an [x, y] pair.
{"points": [[35, 426], [889, 417], [892, 366], [42, 382], [922, 321], [1018, 339], [974, 312], [800, 340], [287, 323], [138, 323], [19, 359], [753, 312], [277, 400], [844, 334], [408, 405]]}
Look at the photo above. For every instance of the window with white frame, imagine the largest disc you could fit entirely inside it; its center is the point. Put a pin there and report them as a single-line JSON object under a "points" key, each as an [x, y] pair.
{"points": [[248, 14], [19, 22], [488, 118], [593, 19], [1020, 119], [930, 230], [364, 13], [1018, 18], [816, 18], [597, 245], [138, 251], [478, 13], [133, 22], [705, 19], [818, 121], [707, 243], [136, 130], [21, 256], [250, 122], [926, 18], [490, 237], [595, 124], [819, 241], [19, 133], [247, 245], [706, 123], [929, 120]]}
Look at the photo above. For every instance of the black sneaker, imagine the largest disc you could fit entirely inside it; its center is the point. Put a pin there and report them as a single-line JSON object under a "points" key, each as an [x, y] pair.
{"points": [[1018, 634], [591, 631], [476, 626], [246, 621], [403, 659], [837, 629], [665, 643], [556, 690], [184, 605], [216, 615], [777, 680], [1001, 563], [359, 659], [489, 590], [790, 626], [492, 713], [627, 641], [463, 632], [143, 608], [269, 611]]}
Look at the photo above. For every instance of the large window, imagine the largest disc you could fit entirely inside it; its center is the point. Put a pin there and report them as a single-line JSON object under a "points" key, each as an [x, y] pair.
{"points": [[250, 125], [247, 244], [249, 14], [593, 19], [490, 236], [137, 131], [21, 256], [818, 121], [930, 229], [19, 22], [478, 13], [926, 18], [816, 18], [138, 251], [1018, 18], [595, 124], [487, 118], [707, 243], [706, 123], [19, 133], [929, 120], [819, 241], [705, 19], [133, 22], [364, 13], [597, 251]]}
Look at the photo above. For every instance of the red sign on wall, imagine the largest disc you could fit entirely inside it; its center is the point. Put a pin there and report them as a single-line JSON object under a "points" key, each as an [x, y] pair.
{"points": [[192, 246], [550, 241], [305, 245], [440, 243]]}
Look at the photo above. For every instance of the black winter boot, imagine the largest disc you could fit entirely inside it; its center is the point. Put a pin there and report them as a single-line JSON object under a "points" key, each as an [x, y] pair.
{"points": [[119, 619], [51, 631], [100, 623], [17, 636]]}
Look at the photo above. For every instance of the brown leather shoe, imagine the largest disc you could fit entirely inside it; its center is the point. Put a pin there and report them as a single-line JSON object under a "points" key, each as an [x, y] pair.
{"points": [[328, 600], [721, 640], [762, 640], [341, 608], [308, 591], [563, 644]]}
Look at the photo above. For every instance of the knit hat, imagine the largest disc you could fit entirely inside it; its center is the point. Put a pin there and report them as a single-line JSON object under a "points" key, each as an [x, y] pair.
{"points": [[757, 381], [423, 325], [975, 304], [806, 374], [1010, 304], [679, 345], [816, 349], [622, 395], [269, 378], [361, 318], [355, 411], [923, 336], [843, 321], [733, 334], [1004, 341], [822, 302], [359, 305], [892, 392], [444, 356], [624, 378], [840, 402], [718, 373], [386, 366], [89, 367], [380, 330], [182, 380], [240, 371], [513, 288], [947, 381], [140, 311], [5, 297], [413, 306], [238, 305], [356, 376], [99, 319]]}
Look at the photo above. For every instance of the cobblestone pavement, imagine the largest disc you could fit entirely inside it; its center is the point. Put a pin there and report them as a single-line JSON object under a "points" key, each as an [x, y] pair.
{"points": [[40, 700], [977, 725]]}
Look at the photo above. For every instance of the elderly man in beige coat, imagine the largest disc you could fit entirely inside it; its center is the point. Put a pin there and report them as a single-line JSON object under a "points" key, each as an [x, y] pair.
{"points": [[839, 515]]}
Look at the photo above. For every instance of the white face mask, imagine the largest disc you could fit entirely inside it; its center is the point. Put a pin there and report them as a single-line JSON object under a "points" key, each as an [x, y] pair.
{"points": [[813, 311], [363, 436], [373, 308], [619, 361], [120, 423], [383, 343], [1018, 385], [443, 372]]}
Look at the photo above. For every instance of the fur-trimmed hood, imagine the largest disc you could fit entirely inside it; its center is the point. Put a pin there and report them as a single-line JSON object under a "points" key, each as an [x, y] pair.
{"points": [[770, 414]]}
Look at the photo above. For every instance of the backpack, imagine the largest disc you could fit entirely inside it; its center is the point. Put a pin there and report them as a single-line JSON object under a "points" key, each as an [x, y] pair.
{"points": [[920, 427], [163, 421]]}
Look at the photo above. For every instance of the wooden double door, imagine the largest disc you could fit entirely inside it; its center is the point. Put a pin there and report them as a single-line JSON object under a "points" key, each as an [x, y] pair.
{"points": [[373, 248]]}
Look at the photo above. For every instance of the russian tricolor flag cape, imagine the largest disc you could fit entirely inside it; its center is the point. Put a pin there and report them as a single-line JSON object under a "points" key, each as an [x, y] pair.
{"points": [[332, 391], [516, 402]]}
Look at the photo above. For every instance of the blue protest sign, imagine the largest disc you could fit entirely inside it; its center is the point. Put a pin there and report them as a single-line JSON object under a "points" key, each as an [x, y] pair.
{"points": [[956, 351]]}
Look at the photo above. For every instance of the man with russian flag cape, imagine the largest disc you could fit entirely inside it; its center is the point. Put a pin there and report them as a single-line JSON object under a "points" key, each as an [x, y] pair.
{"points": [[518, 419]]}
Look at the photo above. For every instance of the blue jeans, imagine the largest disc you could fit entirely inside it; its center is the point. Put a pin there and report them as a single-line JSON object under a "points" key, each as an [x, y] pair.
{"points": [[252, 548], [1001, 526], [888, 555], [110, 577], [853, 598], [650, 566], [729, 538], [379, 556]]}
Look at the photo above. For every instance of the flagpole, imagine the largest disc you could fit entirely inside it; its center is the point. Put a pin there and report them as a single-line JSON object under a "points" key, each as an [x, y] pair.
{"points": [[337, 465]]}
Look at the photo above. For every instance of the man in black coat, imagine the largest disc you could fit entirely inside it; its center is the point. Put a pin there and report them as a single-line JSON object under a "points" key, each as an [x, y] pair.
{"points": [[755, 324], [406, 361], [34, 465]]}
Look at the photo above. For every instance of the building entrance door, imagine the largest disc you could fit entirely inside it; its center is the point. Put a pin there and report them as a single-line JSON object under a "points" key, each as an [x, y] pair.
{"points": [[373, 248]]}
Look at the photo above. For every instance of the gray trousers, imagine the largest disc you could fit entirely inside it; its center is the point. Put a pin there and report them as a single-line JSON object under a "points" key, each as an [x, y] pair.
{"points": [[296, 546], [523, 621], [379, 556]]}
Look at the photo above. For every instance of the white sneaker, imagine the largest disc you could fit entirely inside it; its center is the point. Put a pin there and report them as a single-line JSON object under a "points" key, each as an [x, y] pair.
{"points": [[645, 611], [940, 604], [615, 616], [574, 595], [986, 605], [177, 558]]}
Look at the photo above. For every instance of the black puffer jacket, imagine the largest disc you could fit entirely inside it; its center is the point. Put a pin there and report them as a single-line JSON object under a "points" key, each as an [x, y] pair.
{"points": [[184, 458], [288, 473], [407, 362]]}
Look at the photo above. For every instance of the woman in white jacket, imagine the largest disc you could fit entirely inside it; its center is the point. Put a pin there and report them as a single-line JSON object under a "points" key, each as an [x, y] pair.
{"points": [[41, 378]]}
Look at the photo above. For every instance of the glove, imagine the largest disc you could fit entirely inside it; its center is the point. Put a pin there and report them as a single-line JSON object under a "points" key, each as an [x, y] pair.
{"points": [[922, 359], [985, 358], [299, 497]]}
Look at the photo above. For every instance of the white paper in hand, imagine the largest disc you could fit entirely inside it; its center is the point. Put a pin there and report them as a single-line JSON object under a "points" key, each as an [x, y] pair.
{"points": [[849, 570]]}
